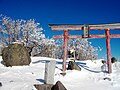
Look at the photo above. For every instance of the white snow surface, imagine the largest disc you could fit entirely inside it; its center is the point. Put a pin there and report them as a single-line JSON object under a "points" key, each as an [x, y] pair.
{"points": [[89, 78]]}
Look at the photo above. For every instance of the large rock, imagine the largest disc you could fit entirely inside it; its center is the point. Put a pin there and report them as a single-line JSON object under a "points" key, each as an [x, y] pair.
{"points": [[0, 84], [15, 55], [73, 66], [43, 86], [58, 86], [1, 48], [113, 60]]}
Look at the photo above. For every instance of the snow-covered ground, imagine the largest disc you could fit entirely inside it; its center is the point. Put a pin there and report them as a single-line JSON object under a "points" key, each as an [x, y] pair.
{"points": [[89, 78]]}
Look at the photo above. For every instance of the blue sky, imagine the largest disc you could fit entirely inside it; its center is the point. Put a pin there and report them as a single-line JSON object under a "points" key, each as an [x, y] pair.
{"points": [[67, 12]]}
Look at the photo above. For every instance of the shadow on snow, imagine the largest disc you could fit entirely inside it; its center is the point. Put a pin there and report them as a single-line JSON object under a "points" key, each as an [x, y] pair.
{"points": [[41, 80], [83, 65], [80, 64], [46, 61]]}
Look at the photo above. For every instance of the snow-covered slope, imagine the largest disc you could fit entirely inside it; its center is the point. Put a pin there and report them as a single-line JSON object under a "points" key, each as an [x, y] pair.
{"points": [[89, 78]]}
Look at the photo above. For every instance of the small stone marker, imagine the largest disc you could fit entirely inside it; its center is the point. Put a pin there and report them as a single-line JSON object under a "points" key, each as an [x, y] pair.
{"points": [[49, 72]]}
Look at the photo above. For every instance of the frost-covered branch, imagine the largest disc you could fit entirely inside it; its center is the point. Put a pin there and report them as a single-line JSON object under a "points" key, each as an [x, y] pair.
{"points": [[26, 31]]}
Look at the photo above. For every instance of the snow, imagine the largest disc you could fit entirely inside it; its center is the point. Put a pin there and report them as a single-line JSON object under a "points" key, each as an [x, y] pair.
{"points": [[89, 78]]}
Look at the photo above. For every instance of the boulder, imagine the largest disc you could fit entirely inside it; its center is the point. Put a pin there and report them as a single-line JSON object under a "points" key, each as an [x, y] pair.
{"points": [[73, 66], [103, 62], [15, 55], [0, 84], [58, 86], [1, 50], [113, 60], [43, 86]]}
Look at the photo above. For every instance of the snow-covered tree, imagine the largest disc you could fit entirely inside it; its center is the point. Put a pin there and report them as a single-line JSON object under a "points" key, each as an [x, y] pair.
{"points": [[82, 49], [26, 31], [31, 32], [47, 48], [58, 49]]}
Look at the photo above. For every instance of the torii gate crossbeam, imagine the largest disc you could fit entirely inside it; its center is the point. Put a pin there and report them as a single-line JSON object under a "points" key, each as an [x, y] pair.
{"points": [[106, 27]]}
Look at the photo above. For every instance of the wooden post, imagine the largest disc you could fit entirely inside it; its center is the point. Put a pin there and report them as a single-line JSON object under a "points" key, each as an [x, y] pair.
{"points": [[108, 51], [65, 49]]}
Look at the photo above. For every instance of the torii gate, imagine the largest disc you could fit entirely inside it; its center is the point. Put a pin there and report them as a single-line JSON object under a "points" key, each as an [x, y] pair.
{"points": [[86, 28]]}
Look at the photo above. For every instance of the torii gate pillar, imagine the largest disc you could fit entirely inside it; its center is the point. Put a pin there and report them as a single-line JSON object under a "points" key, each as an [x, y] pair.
{"points": [[108, 50], [65, 49]]}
